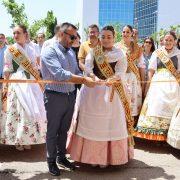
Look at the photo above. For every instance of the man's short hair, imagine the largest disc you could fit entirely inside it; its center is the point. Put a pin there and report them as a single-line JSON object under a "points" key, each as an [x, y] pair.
{"points": [[66, 25], [94, 26]]}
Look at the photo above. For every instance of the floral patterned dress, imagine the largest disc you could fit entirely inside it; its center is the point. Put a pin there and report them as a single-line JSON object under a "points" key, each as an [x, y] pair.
{"points": [[174, 130], [134, 85], [24, 121], [161, 100], [100, 135]]}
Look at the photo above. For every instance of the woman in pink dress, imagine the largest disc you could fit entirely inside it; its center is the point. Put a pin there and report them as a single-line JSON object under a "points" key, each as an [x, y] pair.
{"points": [[100, 135]]}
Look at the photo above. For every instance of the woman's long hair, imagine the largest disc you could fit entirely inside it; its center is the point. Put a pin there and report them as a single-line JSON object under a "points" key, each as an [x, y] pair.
{"points": [[152, 42]]}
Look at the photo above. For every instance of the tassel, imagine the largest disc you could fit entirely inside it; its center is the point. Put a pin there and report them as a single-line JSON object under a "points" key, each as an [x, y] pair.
{"points": [[112, 94]]}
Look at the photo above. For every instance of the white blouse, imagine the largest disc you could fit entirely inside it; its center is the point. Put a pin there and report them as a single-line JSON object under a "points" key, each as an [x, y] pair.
{"points": [[153, 59], [28, 50], [116, 55], [141, 62]]}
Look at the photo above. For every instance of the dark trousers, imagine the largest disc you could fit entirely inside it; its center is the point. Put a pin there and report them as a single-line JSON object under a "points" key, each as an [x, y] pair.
{"points": [[59, 109]]}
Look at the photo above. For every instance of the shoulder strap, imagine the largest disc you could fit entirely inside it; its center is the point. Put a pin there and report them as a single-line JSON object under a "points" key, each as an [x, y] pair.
{"points": [[133, 67]]}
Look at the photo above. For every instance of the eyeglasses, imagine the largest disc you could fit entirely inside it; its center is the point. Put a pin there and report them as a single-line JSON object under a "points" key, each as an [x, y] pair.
{"points": [[148, 42], [72, 37]]}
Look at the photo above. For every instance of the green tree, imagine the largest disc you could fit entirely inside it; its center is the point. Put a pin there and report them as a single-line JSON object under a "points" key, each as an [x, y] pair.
{"points": [[161, 33], [34, 28], [118, 29], [10, 40], [17, 12], [50, 22], [176, 29]]}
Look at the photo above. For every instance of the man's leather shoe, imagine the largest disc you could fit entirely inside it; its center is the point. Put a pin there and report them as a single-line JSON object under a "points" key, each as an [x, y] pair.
{"points": [[53, 169], [65, 163]]}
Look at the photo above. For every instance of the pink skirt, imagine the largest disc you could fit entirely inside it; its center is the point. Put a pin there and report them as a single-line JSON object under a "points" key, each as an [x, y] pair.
{"points": [[99, 152]]}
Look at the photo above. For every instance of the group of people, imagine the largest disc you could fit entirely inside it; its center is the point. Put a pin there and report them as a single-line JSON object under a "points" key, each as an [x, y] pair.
{"points": [[96, 96]]}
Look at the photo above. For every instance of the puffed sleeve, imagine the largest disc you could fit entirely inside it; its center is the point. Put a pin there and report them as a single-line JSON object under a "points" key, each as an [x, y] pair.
{"points": [[153, 62], [8, 58], [89, 65], [121, 66]]}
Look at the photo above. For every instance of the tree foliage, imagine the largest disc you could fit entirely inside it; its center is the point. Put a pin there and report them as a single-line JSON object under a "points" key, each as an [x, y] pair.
{"points": [[176, 29], [17, 12], [35, 27], [10, 40], [50, 22], [118, 34], [161, 33]]}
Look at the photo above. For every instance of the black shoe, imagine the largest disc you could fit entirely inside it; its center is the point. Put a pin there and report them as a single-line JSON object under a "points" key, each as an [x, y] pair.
{"points": [[53, 169], [65, 163]]}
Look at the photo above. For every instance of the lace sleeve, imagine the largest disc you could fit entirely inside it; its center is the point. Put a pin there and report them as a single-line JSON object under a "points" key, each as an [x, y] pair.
{"points": [[8, 58], [141, 63], [121, 67], [153, 62]]}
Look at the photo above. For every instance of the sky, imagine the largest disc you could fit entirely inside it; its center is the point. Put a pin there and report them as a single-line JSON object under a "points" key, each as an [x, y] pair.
{"points": [[64, 10]]}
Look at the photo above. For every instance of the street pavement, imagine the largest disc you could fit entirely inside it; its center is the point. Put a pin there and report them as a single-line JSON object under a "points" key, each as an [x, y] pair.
{"points": [[152, 161]]}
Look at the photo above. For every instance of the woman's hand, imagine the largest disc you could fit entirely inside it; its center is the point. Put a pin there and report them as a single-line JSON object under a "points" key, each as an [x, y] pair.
{"points": [[96, 79], [112, 81], [99, 81]]}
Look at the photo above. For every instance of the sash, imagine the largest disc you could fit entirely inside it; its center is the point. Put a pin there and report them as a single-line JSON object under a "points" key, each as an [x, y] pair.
{"points": [[133, 67], [130, 59], [24, 62], [107, 71], [161, 54]]}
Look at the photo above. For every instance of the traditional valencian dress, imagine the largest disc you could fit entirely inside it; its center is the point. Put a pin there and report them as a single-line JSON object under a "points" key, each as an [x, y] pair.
{"points": [[100, 135], [161, 101], [133, 79], [24, 121], [173, 137]]}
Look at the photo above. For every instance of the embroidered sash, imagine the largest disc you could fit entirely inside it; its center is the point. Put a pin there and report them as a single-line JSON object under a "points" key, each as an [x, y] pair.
{"points": [[133, 67], [22, 60], [107, 71], [161, 54], [131, 57]]}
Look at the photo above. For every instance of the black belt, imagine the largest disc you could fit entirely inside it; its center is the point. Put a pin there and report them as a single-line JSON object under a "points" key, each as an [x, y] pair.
{"points": [[63, 93]]}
